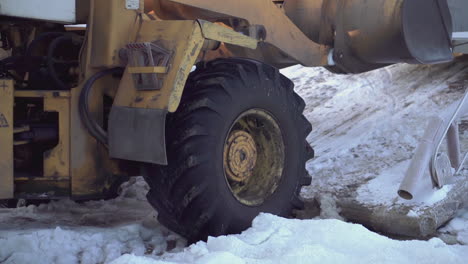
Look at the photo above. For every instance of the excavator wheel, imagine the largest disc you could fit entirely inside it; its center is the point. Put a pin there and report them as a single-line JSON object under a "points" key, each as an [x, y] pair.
{"points": [[236, 147]]}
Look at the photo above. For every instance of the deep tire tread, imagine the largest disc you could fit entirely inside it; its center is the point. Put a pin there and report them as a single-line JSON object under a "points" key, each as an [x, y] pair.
{"points": [[179, 191]]}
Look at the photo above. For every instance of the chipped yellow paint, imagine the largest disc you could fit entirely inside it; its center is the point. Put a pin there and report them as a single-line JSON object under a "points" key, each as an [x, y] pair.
{"points": [[147, 70], [281, 32], [189, 57], [57, 160], [224, 34], [185, 40], [112, 27], [6, 139]]}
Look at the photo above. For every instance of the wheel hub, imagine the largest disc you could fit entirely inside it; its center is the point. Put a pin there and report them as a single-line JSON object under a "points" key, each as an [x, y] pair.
{"points": [[240, 156], [253, 157]]}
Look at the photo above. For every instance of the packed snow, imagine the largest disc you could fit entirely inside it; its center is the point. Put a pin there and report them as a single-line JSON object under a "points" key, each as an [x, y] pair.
{"points": [[124, 230], [458, 228], [92, 232], [277, 240], [366, 128]]}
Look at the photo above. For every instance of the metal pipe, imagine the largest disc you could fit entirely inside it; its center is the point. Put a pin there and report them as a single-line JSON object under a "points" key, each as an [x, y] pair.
{"points": [[417, 178], [461, 109], [453, 145]]}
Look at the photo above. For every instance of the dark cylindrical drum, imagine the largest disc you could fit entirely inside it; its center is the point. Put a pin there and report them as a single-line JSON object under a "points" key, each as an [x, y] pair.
{"points": [[391, 31]]}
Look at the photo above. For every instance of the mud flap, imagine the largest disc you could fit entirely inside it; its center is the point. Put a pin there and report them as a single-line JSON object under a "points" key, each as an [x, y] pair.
{"points": [[137, 134]]}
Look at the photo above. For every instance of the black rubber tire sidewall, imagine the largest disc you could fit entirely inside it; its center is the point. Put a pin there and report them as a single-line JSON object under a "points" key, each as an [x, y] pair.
{"points": [[244, 85]]}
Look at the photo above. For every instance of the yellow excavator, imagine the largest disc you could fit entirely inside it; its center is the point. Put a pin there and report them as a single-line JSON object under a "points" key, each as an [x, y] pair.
{"points": [[188, 94]]}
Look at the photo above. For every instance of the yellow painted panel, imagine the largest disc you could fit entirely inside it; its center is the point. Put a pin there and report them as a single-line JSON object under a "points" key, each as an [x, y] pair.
{"points": [[147, 69], [57, 160], [185, 40], [6, 139], [226, 35]]}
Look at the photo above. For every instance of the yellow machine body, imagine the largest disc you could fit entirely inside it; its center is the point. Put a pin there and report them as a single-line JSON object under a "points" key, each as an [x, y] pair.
{"points": [[332, 33]]}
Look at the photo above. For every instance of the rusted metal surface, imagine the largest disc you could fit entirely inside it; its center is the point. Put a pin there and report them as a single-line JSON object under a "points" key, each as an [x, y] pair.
{"points": [[6, 139], [240, 156], [254, 157]]}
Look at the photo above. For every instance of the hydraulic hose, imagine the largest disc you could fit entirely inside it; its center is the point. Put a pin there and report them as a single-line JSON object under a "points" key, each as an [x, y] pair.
{"points": [[32, 46], [51, 63], [89, 122]]}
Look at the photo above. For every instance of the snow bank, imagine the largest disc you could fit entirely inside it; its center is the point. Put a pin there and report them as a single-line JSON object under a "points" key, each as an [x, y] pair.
{"points": [[85, 233], [277, 240], [125, 231], [366, 129], [70, 246], [367, 126]]}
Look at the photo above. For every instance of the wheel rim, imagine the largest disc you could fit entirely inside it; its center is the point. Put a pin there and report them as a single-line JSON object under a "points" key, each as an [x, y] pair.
{"points": [[254, 157]]}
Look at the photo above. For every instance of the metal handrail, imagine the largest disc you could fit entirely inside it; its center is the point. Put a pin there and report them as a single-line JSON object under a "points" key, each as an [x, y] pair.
{"points": [[454, 148]]}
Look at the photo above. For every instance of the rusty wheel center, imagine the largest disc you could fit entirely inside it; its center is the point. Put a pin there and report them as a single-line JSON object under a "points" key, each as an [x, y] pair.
{"points": [[240, 156], [253, 157]]}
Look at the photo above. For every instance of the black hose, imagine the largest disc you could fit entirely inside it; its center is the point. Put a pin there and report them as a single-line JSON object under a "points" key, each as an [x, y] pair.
{"points": [[51, 63], [91, 125], [39, 38]]}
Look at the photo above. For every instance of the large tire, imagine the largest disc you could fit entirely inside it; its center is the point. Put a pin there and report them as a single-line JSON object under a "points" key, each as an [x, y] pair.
{"points": [[193, 195]]}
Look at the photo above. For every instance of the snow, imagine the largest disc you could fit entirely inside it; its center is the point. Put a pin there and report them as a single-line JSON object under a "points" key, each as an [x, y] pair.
{"points": [[458, 227], [383, 189], [277, 240], [366, 128], [124, 231], [413, 214], [91, 232], [328, 207]]}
